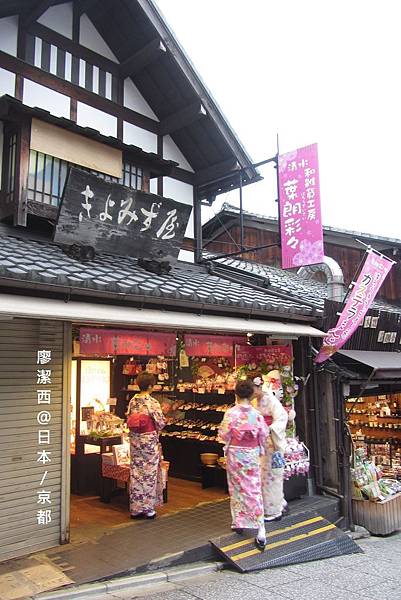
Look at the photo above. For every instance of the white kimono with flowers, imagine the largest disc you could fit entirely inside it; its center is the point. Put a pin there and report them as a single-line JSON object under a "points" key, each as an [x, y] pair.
{"points": [[273, 479]]}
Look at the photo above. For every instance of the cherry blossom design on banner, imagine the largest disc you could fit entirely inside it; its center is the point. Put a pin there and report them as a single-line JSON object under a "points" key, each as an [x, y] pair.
{"points": [[373, 273], [299, 205]]}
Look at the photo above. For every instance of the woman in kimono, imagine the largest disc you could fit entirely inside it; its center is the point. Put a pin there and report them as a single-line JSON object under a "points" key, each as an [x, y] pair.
{"points": [[145, 421], [272, 461], [244, 433]]}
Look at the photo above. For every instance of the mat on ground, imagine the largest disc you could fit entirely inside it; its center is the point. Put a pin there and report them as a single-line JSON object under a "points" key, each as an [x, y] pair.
{"points": [[292, 540]]}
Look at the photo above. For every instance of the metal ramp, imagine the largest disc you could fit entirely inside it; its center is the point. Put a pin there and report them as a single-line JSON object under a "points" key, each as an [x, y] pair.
{"points": [[295, 539]]}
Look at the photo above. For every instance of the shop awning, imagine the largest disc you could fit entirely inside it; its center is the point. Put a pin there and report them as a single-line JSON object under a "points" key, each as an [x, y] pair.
{"points": [[89, 312], [385, 365]]}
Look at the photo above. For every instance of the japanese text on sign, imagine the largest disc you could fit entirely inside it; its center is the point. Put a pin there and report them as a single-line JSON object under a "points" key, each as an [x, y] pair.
{"points": [[210, 345], [300, 218], [120, 341], [120, 220], [43, 420], [373, 273], [275, 356]]}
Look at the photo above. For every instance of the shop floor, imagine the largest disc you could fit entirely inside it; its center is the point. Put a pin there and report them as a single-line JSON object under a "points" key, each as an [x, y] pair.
{"points": [[297, 539], [139, 546]]}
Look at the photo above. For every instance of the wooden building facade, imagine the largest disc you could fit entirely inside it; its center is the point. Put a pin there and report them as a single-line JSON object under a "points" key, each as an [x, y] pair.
{"points": [[222, 235]]}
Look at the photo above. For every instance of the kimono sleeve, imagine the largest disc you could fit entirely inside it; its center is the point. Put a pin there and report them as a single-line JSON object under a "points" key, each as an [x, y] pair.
{"points": [[263, 431], [156, 413], [225, 428], [279, 425]]}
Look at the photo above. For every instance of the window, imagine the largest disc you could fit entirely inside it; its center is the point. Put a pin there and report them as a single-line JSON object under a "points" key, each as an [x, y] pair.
{"points": [[47, 176]]}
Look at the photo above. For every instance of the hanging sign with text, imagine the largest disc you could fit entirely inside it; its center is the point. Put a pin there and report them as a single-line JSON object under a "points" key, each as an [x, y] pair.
{"points": [[273, 356], [211, 345], [374, 272], [116, 219], [101, 342], [299, 205]]}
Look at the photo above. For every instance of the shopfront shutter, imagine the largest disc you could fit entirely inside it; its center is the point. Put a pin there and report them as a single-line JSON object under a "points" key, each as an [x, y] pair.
{"points": [[20, 473]]}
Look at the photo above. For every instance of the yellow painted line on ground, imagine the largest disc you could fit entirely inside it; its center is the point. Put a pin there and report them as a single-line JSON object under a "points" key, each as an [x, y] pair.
{"points": [[272, 533], [295, 538]]}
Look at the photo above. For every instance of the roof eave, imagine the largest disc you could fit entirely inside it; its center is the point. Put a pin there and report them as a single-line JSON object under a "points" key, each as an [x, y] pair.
{"points": [[166, 34]]}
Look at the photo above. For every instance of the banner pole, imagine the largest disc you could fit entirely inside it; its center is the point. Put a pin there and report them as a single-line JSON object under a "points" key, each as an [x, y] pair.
{"points": [[354, 279], [241, 213], [278, 190], [371, 249]]}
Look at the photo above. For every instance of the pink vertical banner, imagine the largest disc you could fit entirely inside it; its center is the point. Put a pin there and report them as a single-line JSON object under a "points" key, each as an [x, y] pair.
{"points": [[373, 274], [299, 204]]}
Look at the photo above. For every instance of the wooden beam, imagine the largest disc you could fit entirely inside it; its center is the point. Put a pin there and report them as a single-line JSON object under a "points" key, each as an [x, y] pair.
{"points": [[36, 11], [10, 63], [144, 57], [182, 118], [225, 167], [42, 210], [73, 46], [84, 6]]}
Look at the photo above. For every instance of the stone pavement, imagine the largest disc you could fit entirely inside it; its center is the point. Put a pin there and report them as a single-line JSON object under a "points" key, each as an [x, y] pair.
{"points": [[374, 575]]}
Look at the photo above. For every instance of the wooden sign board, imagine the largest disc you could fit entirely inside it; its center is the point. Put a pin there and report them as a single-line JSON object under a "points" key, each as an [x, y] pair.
{"points": [[119, 220]]}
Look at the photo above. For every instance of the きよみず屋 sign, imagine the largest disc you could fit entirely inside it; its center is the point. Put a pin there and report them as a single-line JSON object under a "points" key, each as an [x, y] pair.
{"points": [[119, 220]]}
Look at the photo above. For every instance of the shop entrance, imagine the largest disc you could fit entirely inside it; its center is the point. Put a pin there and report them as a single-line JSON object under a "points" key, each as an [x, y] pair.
{"points": [[195, 379], [101, 387]]}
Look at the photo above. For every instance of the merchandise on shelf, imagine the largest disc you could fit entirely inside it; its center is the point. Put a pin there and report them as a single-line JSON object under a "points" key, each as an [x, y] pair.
{"points": [[296, 458], [375, 425], [368, 481]]}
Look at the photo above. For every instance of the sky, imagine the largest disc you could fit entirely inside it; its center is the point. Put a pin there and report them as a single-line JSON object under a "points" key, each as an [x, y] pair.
{"points": [[310, 71]]}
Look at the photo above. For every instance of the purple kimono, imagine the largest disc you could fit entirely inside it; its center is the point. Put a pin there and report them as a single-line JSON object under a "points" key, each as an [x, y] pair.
{"points": [[146, 485]]}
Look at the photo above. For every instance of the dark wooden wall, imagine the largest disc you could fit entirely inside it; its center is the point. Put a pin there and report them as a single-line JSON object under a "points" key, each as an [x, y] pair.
{"points": [[347, 257]]}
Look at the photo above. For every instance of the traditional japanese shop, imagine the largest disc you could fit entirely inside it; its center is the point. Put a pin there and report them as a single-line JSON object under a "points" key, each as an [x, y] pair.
{"points": [[196, 375], [371, 389]]}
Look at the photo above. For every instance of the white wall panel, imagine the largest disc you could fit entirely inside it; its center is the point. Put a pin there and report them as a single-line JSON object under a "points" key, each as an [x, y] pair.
{"points": [[91, 38], [181, 192], [87, 116], [186, 256], [58, 18], [7, 82], [172, 152], [153, 185], [189, 232], [134, 100], [9, 35], [139, 137], [42, 97], [53, 59], [178, 190], [38, 53]]}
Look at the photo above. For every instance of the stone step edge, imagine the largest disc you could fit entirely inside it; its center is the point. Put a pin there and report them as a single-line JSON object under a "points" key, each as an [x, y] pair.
{"points": [[168, 576]]}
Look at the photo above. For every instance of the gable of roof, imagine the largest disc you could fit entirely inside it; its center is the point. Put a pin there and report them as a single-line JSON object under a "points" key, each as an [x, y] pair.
{"points": [[172, 88]]}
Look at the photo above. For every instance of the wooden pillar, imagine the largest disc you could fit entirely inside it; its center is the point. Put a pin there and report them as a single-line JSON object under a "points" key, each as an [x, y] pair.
{"points": [[160, 153], [197, 225], [22, 170]]}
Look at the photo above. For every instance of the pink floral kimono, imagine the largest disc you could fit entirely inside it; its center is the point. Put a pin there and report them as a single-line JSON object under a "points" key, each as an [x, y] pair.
{"points": [[146, 485], [244, 432]]}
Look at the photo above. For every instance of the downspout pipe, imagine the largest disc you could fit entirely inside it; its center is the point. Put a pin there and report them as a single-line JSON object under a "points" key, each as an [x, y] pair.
{"points": [[333, 274]]}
